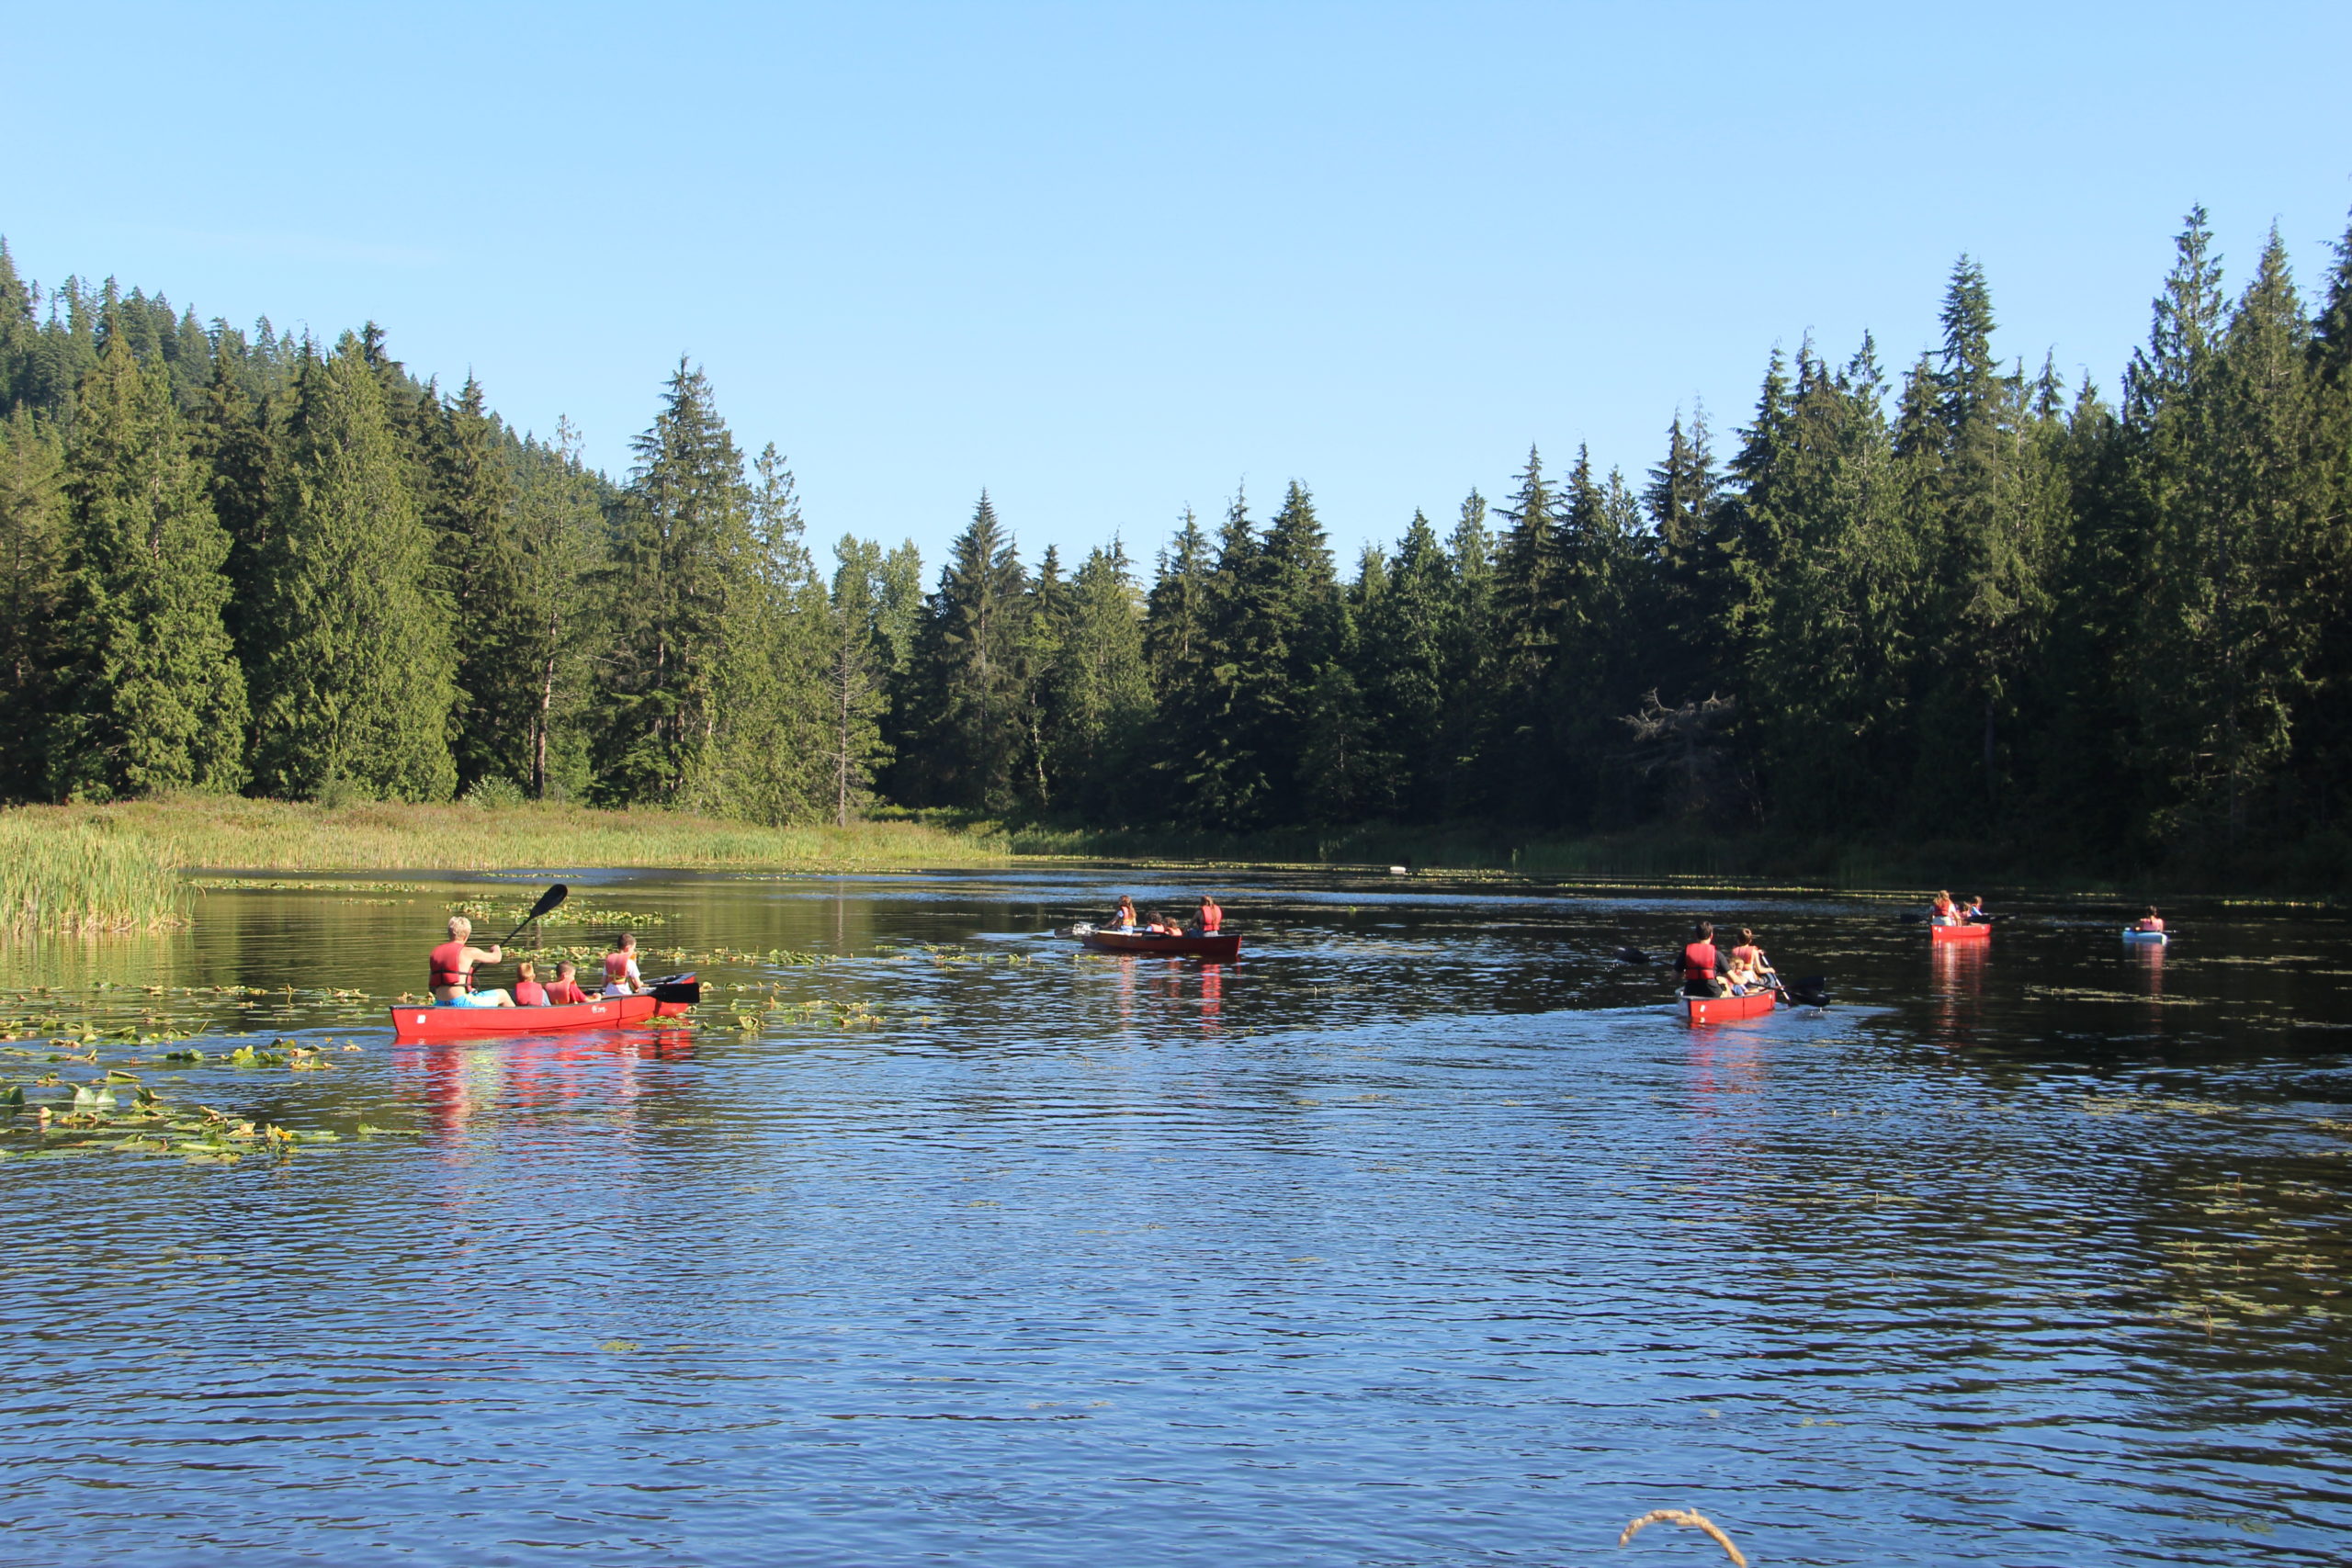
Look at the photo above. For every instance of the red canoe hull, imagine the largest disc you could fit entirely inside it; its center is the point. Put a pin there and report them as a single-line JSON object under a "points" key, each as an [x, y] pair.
{"points": [[1217, 948], [464, 1023], [1722, 1010], [1960, 933]]}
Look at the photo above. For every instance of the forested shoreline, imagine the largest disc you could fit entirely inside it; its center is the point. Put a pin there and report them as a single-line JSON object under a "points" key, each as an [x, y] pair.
{"points": [[1964, 601]]}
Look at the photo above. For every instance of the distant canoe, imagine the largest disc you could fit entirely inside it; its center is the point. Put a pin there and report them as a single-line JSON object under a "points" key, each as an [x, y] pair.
{"points": [[1722, 1010], [1222, 947], [669, 998], [1982, 932], [2159, 938]]}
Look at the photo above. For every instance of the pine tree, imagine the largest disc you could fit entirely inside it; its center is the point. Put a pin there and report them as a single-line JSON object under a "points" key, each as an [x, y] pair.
{"points": [[232, 436], [680, 564], [356, 677], [1403, 655], [33, 556], [151, 696], [857, 671], [469, 504], [1099, 691], [962, 726]]}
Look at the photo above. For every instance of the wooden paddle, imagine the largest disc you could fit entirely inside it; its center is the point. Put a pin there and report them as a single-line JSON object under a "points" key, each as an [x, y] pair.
{"points": [[549, 901]]}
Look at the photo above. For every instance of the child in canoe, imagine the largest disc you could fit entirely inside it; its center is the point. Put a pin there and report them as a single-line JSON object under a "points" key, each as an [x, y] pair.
{"points": [[1122, 919], [2150, 921], [1943, 911], [528, 992], [566, 991], [1749, 969]]}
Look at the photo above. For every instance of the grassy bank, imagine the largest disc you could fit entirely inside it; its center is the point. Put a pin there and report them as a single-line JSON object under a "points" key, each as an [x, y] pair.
{"points": [[117, 867]]}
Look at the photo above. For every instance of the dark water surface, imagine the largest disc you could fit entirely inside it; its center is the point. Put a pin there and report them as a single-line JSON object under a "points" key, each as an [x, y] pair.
{"points": [[1423, 1234]]}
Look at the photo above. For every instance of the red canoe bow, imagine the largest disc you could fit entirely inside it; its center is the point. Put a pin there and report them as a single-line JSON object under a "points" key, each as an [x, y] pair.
{"points": [[1981, 932]]}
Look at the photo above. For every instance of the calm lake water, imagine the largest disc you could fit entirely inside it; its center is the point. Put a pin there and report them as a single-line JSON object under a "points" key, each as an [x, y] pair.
{"points": [[1423, 1234]]}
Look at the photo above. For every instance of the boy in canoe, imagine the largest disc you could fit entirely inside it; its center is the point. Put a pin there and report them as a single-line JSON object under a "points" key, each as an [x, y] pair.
{"points": [[566, 991], [621, 978], [453, 963], [528, 992]]}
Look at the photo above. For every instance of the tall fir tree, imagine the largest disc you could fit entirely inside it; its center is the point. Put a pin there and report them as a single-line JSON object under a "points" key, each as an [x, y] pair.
{"points": [[150, 695], [356, 677]]}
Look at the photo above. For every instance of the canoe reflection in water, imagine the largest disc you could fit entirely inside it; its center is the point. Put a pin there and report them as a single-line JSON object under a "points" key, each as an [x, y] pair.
{"points": [[457, 1081], [1152, 991]]}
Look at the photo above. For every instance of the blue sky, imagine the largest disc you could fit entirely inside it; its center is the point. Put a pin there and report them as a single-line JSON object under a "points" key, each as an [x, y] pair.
{"points": [[1109, 261]]}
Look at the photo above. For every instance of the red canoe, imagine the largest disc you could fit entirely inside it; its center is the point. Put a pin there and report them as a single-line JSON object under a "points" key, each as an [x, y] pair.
{"points": [[1224, 946], [669, 998], [1719, 1010], [1980, 933]]}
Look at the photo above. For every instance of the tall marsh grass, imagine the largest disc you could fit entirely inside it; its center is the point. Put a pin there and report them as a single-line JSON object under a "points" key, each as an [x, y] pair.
{"points": [[210, 832], [82, 878]]}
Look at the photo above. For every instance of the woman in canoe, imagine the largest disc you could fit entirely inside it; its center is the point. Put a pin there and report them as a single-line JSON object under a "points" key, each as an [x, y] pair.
{"points": [[621, 978], [1943, 911], [453, 963], [1122, 919], [528, 992], [1750, 970], [1209, 920], [2150, 921]]}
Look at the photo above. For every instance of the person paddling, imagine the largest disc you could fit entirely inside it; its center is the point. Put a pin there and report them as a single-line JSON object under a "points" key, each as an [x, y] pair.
{"points": [[1209, 920], [566, 991], [621, 978], [2150, 921], [1974, 914], [528, 992], [1697, 962], [1122, 919], [1749, 967], [453, 964], [1943, 911]]}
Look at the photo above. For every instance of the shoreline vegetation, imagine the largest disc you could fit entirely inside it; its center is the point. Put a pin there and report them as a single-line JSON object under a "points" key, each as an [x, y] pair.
{"points": [[136, 865], [125, 866]]}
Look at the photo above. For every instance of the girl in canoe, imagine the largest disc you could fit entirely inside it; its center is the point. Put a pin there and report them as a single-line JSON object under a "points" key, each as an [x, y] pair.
{"points": [[1975, 915], [1210, 917], [1122, 919], [528, 992], [2150, 921], [453, 963], [1157, 926], [621, 978], [1943, 911]]}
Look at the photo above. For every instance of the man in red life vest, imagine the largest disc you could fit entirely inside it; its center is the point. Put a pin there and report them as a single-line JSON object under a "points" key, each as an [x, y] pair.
{"points": [[621, 978], [1698, 963], [565, 991], [453, 970]]}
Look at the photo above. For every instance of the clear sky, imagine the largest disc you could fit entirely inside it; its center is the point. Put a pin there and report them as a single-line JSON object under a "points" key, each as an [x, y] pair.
{"points": [[1111, 260]]}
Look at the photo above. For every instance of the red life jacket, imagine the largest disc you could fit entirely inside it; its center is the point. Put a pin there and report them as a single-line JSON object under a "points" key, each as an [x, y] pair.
{"points": [[1698, 959], [617, 966], [530, 994], [444, 961], [1212, 916], [1750, 955], [565, 993]]}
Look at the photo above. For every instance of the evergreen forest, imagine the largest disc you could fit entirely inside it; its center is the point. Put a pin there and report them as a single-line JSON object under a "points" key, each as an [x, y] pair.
{"points": [[1960, 600]]}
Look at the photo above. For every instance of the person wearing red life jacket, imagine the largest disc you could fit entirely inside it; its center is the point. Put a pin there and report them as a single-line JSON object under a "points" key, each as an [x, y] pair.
{"points": [[1749, 970], [1942, 912], [528, 992], [621, 978], [1211, 918], [453, 963], [565, 991], [2150, 921], [1698, 962]]}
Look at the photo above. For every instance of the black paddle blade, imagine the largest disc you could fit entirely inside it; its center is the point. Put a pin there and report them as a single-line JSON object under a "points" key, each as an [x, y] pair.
{"points": [[1631, 955], [549, 901]]}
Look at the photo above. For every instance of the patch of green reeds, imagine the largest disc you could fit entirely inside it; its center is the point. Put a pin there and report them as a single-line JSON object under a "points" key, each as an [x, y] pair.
{"points": [[82, 877], [211, 832]]}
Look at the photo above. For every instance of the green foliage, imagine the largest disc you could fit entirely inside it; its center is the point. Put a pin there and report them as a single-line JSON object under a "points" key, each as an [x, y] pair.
{"points": [[354, 679], [150, 696]]}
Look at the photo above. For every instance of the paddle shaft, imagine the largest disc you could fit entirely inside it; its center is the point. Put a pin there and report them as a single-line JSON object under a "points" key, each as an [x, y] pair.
{"points": [[548, 903]]}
